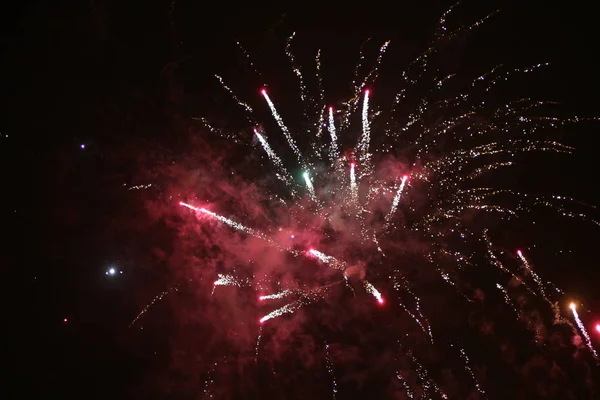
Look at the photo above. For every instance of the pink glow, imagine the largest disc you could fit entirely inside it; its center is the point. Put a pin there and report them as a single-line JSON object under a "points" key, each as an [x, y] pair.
{"points": [[381, 301], [65, 320], [330, 108], [367, 91], [261, 298], [263, 92], [519, 253], [598, 328]]}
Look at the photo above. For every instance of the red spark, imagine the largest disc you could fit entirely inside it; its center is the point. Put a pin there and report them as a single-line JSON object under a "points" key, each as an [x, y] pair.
{"points": [[330, 108], [380, 300], [367, 91], [519, 253], [598, 328], [263, 92]]}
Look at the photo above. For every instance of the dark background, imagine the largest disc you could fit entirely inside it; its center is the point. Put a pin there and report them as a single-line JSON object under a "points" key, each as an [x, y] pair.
{"points": [[106, 73]]}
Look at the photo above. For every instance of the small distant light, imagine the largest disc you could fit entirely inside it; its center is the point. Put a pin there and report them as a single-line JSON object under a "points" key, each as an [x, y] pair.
{"points": [[380, 301], [111, 271], [519, 252], [82, 146], [261, 298], [263, 91], [598, 328], [572, 306], [292, 236], [65, 320]]}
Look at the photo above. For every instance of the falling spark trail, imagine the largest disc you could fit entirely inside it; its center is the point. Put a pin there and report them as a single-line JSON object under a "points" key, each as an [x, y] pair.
{"points": [[156, 299], [226, 280], [248, 59], [140, 187], [284, 128], [276, 296], [329, 260], [227, 221], [535, 276], [375, 71], [405, 385], [287, 309], [507, 299], [256, 349], [329, 366], [377, 244], [470, 371], [283, 173], [309, 186], [241, 103], [396, 200], [353, 185], [373, 291], [335, 153], [365, 140], [584, 332]]}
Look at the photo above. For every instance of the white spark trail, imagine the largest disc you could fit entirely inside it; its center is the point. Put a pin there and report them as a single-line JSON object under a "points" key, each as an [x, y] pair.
{"points": [[588, 341], [470, 371], [282, 174], [287, 309], [284, 128], [329, 260], [353, 186], [396, 200], [329, 366], [310, 187], [335, 153], [373, 291], [365, 140]]}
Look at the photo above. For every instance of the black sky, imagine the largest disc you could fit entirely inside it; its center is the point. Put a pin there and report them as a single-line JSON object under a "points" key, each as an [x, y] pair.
{"points": [[105, 73]]}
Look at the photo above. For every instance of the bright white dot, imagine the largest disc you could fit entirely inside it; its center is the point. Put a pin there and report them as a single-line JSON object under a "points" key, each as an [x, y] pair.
{"points": [[111, 271], [82, 146]]}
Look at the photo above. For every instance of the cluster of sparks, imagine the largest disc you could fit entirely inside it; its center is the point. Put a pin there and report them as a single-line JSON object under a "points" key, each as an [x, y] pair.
{"points": [[351, 185]]}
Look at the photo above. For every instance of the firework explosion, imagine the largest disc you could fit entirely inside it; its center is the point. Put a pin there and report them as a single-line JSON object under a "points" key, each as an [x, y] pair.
{"points": [[380, 209]]}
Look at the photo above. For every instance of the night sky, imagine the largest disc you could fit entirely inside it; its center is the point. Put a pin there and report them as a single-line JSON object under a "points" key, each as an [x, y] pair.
{"points": [[98, 96]]}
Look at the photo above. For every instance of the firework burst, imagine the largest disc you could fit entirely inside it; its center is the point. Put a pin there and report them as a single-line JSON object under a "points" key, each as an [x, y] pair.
{"points": [[392, 199]]}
